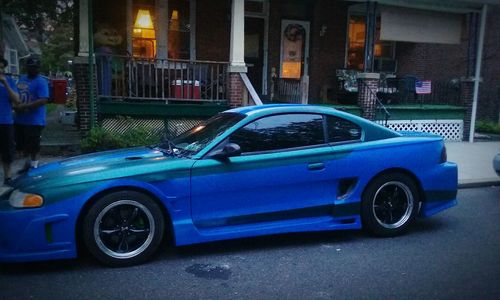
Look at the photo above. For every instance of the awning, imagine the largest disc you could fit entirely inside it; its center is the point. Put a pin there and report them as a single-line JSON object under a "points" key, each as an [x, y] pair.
{"points": [[419, 26]]}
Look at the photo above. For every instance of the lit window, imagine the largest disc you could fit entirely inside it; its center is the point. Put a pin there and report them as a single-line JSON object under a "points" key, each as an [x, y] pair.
{"points": [[356, 43], [144, 38], [179, 29]]}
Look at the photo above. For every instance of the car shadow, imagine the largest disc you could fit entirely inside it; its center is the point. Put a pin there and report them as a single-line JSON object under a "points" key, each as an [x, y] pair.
{"points": [[269, 242]]}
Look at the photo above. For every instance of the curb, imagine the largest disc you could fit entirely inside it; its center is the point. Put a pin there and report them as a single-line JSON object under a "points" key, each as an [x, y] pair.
{"points": [[478, 184]]}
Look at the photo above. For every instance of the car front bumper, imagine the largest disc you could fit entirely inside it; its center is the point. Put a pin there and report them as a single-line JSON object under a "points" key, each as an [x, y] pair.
{"points": [[36, 234]]}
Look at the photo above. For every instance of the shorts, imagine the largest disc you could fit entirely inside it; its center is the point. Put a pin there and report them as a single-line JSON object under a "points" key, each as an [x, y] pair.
{"points": [[28, 138], [7, 145]]}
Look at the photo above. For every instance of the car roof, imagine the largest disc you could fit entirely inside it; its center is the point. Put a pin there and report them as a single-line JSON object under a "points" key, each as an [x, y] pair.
{"points": [[374, 131]]}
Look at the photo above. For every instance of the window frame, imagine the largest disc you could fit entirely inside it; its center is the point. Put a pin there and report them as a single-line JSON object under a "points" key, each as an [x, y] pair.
{"points": [[360, 10]]}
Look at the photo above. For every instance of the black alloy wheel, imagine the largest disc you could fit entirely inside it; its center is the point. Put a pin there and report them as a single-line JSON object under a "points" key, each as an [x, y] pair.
{"points": [[123, 228], [390, 204]]}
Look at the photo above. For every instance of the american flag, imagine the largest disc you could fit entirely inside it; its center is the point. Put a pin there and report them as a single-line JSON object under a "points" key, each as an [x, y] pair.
{"points": [[423, 87]]}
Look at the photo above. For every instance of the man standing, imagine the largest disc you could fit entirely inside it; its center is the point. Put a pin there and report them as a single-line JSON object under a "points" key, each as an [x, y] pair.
{"points": [[30, 114], [8, 99]]}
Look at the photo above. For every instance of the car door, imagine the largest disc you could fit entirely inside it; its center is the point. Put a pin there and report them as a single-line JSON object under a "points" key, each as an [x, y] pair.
{"points": [[282, 174]]}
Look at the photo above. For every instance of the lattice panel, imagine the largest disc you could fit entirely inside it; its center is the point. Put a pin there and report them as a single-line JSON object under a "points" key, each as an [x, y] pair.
{"points": [[155, 126], [451, 130], [178, 126]]}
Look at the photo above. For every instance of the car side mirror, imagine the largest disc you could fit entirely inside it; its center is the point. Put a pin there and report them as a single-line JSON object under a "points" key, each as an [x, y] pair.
{"points": [[229, 150]]}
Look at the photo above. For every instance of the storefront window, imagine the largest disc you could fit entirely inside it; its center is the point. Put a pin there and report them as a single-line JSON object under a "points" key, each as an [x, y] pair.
{"points": [[179, 29], [356, 43]]}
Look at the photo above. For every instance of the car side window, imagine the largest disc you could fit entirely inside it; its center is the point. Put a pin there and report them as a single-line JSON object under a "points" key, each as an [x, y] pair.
{"points": [[341, 130], [280, 132]]}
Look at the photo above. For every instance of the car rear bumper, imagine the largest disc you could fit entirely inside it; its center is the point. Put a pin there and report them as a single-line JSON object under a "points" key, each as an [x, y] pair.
{"points": [[440, 189], [35, 234]]}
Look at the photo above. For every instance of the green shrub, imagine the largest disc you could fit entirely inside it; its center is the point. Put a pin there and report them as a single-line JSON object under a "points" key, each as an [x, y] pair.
{"points": [[487, 127], [100, 139]]}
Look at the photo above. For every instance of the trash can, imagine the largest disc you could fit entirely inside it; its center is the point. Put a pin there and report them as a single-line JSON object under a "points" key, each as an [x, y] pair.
{"points": [[59, 91]]}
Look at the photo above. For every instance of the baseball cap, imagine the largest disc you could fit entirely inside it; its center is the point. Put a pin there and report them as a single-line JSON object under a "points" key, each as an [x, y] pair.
{"points": [[33, 62]]}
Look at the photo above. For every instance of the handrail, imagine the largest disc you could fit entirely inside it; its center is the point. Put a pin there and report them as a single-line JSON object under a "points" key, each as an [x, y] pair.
{"points": [[255, 97]]}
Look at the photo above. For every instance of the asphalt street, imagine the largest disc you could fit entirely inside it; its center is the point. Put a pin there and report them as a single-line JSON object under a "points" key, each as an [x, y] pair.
{"points": [[453, 255]]}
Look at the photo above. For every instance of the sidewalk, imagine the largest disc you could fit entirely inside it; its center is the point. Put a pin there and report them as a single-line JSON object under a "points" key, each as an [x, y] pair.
{"points": [[475, 162], [475, 167]]}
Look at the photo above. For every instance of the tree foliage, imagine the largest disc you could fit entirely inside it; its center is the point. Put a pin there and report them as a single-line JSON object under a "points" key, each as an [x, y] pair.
{"points": [[41, 15], [50, 22]]}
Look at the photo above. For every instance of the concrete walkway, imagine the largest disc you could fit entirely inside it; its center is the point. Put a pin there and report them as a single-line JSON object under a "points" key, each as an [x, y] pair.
{"points": [[475, 162]]}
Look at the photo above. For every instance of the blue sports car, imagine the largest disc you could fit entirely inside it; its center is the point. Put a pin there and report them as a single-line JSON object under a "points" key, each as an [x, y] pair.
{"points": [[245, 172]]}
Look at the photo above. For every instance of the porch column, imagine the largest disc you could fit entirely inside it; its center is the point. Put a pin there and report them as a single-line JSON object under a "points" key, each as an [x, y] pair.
{"points": [[367, 94], [83, 33], [477, 75], [235, 85], [161, 25], [370, 35]]}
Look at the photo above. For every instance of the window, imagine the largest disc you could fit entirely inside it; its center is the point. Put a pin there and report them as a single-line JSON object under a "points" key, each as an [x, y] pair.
{"points": [[280, 132], [146, 29], [340, 130], [143, 33], [179, 29], [356, 43], [13, 61]]}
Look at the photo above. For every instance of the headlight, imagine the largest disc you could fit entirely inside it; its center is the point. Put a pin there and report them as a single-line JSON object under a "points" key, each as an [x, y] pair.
{"points": [[19, 199]]}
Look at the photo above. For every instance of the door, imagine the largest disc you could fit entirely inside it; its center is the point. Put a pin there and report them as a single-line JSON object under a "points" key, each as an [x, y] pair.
{"points": [[254, 51], [282, 174], [294, 59]]}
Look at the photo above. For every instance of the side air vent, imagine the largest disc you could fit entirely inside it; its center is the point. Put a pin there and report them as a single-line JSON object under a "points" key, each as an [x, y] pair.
{"points": [[345, 187]]}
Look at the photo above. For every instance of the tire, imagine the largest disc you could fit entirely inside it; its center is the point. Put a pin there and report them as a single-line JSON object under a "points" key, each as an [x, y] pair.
{"points": [[390, 204], [123, 228]]}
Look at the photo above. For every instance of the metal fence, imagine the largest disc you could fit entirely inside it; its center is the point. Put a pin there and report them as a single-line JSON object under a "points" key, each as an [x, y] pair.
{"points": [[131, 78]]}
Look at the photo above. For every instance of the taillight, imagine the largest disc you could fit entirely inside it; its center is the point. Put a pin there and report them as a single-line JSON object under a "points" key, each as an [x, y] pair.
{"points": [[444, 156]]}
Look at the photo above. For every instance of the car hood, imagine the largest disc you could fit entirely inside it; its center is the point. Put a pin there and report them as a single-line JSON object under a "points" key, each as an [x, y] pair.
{"points": [[100, 166]]}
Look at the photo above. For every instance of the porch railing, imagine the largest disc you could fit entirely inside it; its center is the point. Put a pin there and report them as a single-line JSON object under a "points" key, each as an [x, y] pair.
{"points": [[290, 90], [170, 80]]}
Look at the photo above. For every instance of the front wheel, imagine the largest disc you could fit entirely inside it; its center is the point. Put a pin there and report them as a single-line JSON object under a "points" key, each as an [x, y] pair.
{"points": [[390, 204], [123, 228]]}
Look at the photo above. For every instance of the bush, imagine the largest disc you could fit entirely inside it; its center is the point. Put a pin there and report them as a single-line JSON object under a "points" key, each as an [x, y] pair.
{"points": [[487, 127], [100, 139]]}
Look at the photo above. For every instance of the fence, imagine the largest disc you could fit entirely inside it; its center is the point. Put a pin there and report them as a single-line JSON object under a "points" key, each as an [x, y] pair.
{"points": [[130, 78]]}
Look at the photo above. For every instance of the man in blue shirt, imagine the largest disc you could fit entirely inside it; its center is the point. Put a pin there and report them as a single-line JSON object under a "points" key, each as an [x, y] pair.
{"points": [[8, 99], [30, 114]]}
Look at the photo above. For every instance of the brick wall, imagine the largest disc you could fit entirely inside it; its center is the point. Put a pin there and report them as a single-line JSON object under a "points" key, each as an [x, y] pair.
{"points": [[213, 28], [467, 93], [489, 90], [367, 89], [235, 90], [83, 93]]}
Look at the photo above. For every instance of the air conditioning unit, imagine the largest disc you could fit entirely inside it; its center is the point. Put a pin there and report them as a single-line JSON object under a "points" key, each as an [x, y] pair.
{"points": [[385, 65]]}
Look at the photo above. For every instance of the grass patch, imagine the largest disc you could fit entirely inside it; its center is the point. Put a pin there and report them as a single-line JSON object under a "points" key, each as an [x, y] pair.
{"points": [[487, 127]]}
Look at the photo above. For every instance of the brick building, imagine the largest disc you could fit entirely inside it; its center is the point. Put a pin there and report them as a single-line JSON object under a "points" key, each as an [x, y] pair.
{"points": [[180, 60]]}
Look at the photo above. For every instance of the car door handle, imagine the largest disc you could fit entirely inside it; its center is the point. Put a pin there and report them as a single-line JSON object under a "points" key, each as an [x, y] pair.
{"points": [[315, 166]]}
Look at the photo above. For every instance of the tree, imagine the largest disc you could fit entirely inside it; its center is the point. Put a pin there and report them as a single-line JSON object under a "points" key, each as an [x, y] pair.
{"points": [[50, 22], [58, 49], [40, 16]]}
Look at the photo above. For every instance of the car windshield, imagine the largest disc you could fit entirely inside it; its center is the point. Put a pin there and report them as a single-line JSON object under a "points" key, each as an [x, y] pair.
{"points": [[195, 139]]}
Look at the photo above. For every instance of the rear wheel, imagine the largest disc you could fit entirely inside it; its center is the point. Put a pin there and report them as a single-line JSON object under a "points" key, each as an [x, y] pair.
{"points": [[123, 228], [390, 204]]}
